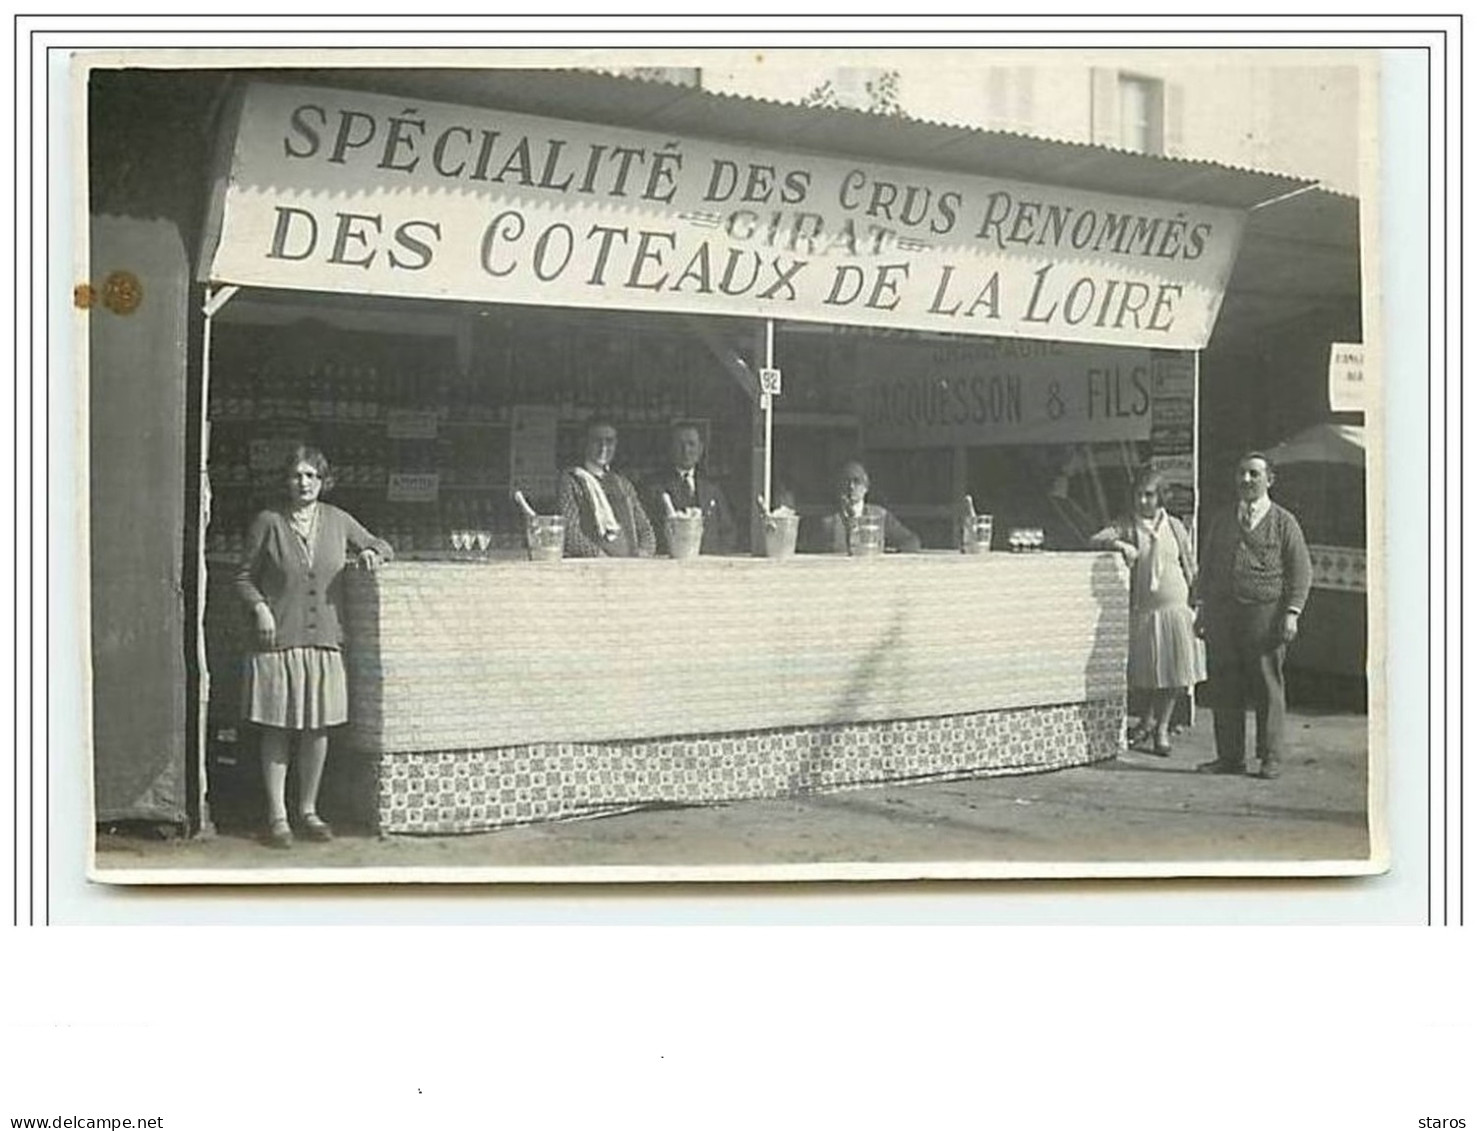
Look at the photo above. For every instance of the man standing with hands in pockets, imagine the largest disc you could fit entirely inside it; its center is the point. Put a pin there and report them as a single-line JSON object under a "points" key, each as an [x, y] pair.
{"points": [[1255, 574]]}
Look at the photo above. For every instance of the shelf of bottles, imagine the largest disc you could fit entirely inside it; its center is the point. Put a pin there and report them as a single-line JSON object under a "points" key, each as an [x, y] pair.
{"points": [[814, 419], [820, 380], [393, 412]]}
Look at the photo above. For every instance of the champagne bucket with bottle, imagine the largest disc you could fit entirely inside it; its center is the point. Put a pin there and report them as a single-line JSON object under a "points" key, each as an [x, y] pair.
{"points": [[975, 533], [545, 537], [779, 535], [685, 534]]}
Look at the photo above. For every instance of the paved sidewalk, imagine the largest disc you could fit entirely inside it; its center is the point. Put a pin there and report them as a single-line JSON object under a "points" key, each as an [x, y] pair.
{"points": [[1135, 808]]}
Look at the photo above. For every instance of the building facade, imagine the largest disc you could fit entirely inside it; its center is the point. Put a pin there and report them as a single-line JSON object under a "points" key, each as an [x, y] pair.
{"points": [[1295, 113]]}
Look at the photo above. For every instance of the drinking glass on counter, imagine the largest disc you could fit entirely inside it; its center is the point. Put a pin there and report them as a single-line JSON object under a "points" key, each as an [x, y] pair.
{"points": [[1024, 539], [865, 537]]}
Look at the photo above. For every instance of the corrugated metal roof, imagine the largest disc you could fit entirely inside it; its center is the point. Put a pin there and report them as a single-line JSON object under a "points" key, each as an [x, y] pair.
{"points": [[665, 107], [1299, 257]]}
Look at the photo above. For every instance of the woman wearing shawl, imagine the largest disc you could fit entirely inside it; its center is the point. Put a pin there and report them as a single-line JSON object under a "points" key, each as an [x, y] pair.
{"points": [[603, 517], [1164, 656]]}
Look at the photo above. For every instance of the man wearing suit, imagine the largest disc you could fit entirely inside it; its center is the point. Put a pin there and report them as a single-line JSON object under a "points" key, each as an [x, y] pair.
{"points": [[1255, 574], [689, 487], [831, 533]]}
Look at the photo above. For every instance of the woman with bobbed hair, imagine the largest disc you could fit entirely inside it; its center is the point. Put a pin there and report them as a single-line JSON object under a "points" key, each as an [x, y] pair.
{"points": [[1164, 656], [290, 580]]}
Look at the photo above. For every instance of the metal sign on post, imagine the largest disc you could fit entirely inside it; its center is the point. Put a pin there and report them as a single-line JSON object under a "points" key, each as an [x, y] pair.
{"points": [[770, 382]]}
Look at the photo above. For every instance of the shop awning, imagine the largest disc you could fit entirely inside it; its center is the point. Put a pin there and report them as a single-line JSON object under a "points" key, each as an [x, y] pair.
{"points": [[1299, 262], [1322, 443]]}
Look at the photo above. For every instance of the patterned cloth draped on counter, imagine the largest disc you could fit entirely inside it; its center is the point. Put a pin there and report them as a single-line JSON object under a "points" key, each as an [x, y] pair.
{"points": [[498, 674]]}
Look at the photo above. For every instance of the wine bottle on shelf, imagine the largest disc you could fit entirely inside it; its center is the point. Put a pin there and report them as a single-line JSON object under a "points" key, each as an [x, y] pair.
{"points": [[266, 393], [281, 394], [334, 409], [364, 459], [356, 405], [242, 401], [369, 396], [313, 379], [297, 393], [371, 393], [352, 408]]}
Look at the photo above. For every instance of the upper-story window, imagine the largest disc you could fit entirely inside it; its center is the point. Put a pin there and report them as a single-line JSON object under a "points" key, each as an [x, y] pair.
{"points": [[679, 76], [1141, 113]]}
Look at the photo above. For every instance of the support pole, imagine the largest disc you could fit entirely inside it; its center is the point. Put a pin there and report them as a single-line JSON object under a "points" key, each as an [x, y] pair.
{"points": [[214, 300], [767, 402]]}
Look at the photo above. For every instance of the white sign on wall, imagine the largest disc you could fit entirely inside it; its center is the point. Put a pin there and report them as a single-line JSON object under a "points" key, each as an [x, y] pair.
{"points": [[413, 487], [349, 192], [1346, 377]]}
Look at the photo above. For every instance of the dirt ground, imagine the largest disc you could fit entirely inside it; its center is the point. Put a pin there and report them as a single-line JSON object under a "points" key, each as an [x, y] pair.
{"points": [[1135, 808]]}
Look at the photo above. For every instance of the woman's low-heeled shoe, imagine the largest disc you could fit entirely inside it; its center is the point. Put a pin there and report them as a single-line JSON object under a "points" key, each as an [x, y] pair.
{"points": [[316, 828], [278, 835]]}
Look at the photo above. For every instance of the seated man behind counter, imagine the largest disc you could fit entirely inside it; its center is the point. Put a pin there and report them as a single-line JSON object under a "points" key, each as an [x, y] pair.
{"points": [[602, 515], [830, 533], [689, 487]]}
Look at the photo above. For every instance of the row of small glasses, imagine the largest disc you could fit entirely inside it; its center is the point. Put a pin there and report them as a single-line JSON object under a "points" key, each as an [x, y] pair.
{"points": [[1026, 538]]}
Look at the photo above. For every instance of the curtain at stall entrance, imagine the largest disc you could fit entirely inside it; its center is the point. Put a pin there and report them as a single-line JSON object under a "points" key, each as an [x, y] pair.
{"points": [[136, 449]]}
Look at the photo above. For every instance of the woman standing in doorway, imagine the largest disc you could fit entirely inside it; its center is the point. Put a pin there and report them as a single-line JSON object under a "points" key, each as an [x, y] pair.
{"points": [[1164, 656], [290, 579]]}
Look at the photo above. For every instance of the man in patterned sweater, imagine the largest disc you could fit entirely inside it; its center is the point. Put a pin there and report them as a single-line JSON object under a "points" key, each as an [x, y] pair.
{"points": [[1254, 579]]}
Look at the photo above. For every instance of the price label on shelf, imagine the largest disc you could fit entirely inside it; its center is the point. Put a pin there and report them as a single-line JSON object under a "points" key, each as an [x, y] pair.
{"points": [[770, 382], [410, 424], [414, 487]]}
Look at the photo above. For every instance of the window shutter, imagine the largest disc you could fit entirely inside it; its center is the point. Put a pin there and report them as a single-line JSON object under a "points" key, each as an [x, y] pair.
{"points": [[998, 97], [1174, 119], [1025, 98], [1105, 106]]}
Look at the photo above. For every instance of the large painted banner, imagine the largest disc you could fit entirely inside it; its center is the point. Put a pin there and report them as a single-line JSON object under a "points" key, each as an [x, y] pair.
{"points": [[340, 191]]}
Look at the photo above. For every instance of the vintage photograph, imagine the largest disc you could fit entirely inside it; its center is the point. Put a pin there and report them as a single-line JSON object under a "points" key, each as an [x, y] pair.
{"points": [[730, 465]]}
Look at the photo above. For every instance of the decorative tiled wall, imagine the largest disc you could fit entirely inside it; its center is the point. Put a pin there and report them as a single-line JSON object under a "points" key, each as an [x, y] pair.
{"points": [[1338, 567], [464, 791]]}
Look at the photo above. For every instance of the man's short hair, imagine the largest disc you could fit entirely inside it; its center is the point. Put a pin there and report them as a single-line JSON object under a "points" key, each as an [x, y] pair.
{"points": [[600, 422], [1263, 456]]}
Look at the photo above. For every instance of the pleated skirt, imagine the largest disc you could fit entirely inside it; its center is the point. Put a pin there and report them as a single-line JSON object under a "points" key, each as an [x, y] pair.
{"points": [[1163, 650], [296, 688]]}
